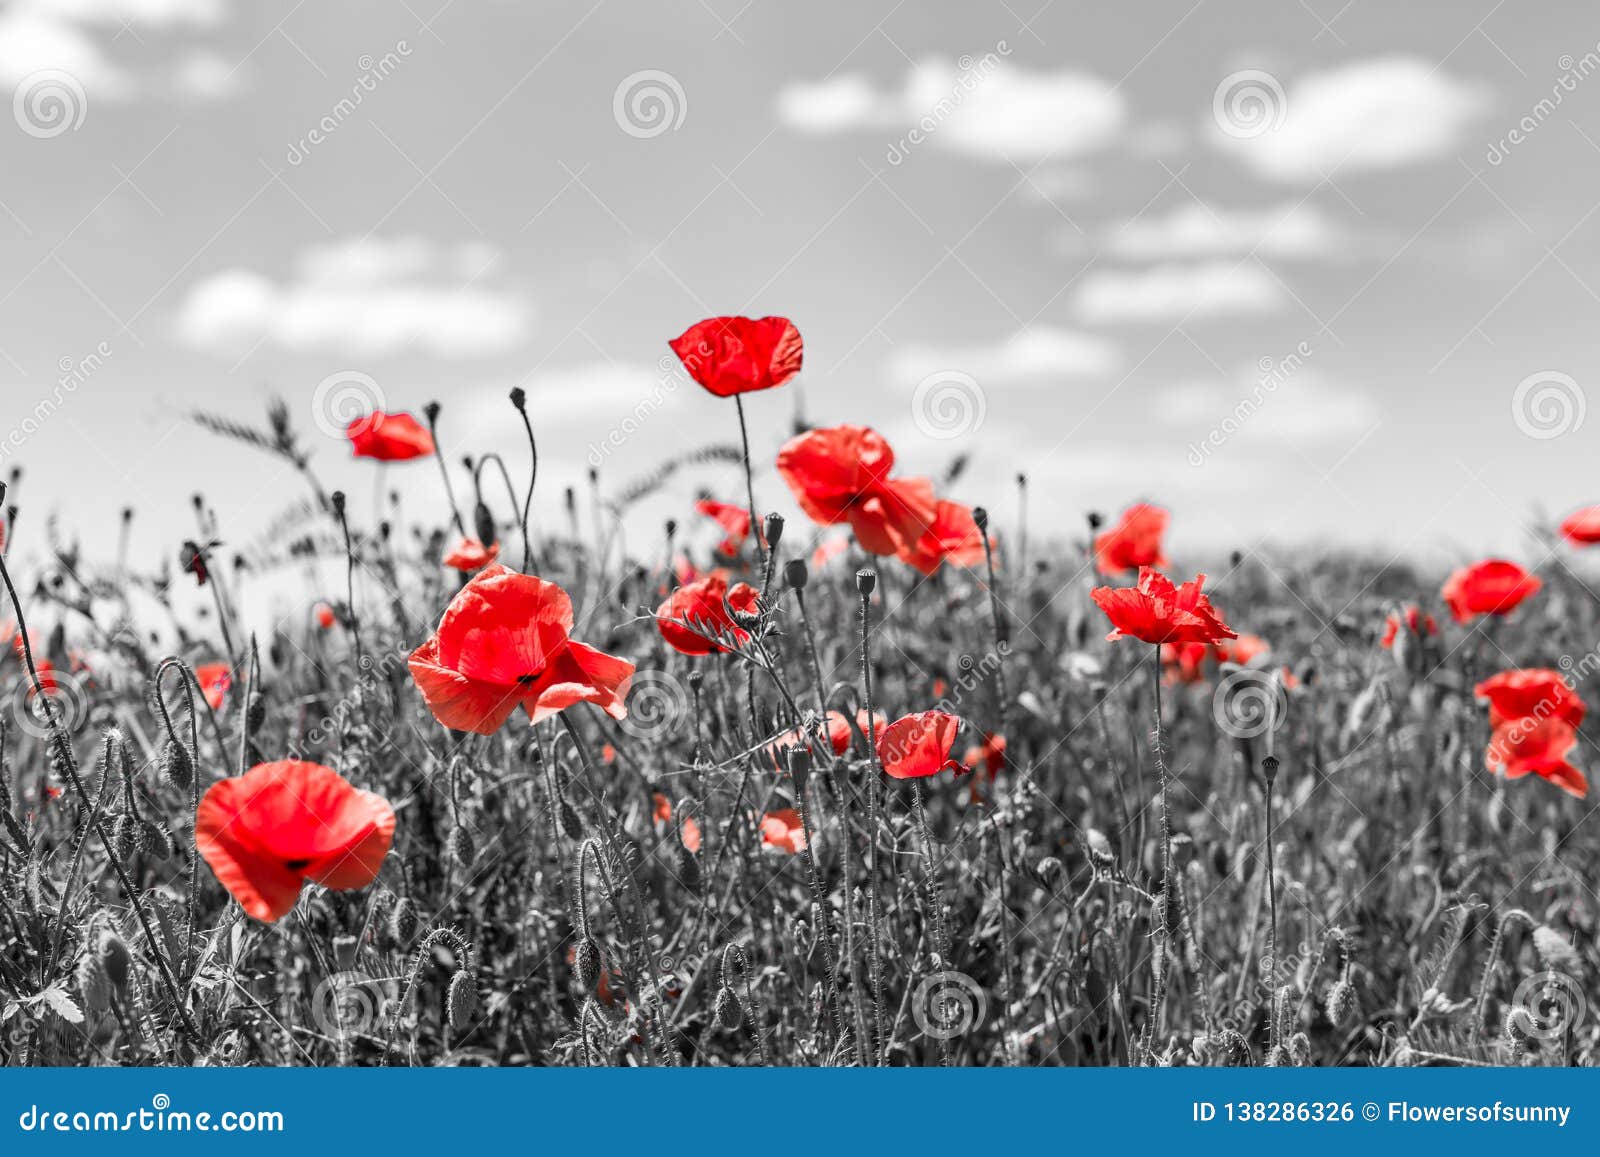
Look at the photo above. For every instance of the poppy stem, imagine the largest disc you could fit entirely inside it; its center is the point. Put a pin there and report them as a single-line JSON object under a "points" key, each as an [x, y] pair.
{"points": [[349, 577], [865, 581], [749, 479], [1001, 643], [935, 901], [1163, 894], [520, 401], [431, 411]]}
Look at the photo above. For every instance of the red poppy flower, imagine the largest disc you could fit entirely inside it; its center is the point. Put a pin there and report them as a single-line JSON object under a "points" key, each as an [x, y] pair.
{"points": [[919, 745], [839, 733], [737, 355], [952, 537], [733, 519], [1414, 620], [1491, 587], [988, 756], [1533, 692], [1134, 542], [1241, 650], [1539, 747], [389, 437], [608, 754], [325, 616], [279, 824], [1582, 527], [696, 614], [215, 679], [841, 475], [469, 555], [1158, 612], [663, 815], [783, 830], [828, 550], [1185, 662], [502, 643]]}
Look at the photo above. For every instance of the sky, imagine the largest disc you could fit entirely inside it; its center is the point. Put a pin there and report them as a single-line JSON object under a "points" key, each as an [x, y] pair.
{"points": [[1307, 274]]}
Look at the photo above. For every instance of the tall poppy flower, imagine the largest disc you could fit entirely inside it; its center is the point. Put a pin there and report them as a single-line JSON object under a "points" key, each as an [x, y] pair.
{"points": [[738, 355], [469, 555], [915, 746], [783, 830], [1582, 527], [389, 437], [1491, 587], [696, 615], [215, 679], [1156, 611], [1537, 747], [266, 832], [841, 475], [1531, 692], [952, 537], [1134, 542], [735, 520], [503, 642], [1412, 619]]}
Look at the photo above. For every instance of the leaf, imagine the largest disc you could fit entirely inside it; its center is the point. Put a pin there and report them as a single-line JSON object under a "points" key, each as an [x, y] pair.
{"points": [[61, 1004]]}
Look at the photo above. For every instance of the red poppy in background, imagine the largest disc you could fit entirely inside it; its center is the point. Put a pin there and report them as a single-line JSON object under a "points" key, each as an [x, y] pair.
{"points": [[325, 616], [783, 830], [733, 519], [837, 724], [1134, 542], [1185, 662], [841, 475], [1537, 747], [389, 437], [988, 756], [279, 824], [215, 679], [828, 550], [1414, 620], [952, 537], [663, 815], [1582, 527], [1158, 612], [696, 614], [503, 643], [1241, 649], [469, 555], [1491, 587], [738, 355], [915, 746], [1531, 692]]}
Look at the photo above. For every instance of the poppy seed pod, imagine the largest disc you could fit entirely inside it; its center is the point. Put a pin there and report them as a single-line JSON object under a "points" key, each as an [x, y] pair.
{"points": [[337, 498], [866, 581], [483, 523], [799, 766], [1269, 768], [672, 527], [1096, 520], [773, 529], [519, 398], [431, 412], [981, 517], [796, 574]]}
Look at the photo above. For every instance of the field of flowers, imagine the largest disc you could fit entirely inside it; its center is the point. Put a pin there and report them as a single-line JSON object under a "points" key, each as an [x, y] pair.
{"points": [[882, 777]]}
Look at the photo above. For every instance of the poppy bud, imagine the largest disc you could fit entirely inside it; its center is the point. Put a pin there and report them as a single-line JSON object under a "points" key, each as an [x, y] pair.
{"points": [[1340, 999], [431, 412], [1049, 868], [1269, 768], [1234, 560], [256, 713], [586, 963], [1100, 849], [571, 499], [688, 869], [403, 921], [570, 823], [124, 836], [344, 950], [484, 524], [672, 527], [176, 764], [799, 766], [773, 529], [981, 516], [461, 845], [696, 678], [1278, 1058], [519, 399], [725, 1013], [462, 1000], [866, 580], [795, 573], [1300, 1049], [337, 498], [1095, 520]]}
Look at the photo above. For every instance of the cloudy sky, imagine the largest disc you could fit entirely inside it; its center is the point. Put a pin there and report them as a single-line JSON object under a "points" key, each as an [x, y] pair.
{"points": [[1304, 272]]}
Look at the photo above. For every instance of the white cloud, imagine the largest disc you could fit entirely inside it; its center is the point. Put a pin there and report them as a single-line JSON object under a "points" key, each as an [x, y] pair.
{"points": [[204, 75], [1372, 114], [1295, 230], [1173, 292], [1032, 354], [147, 13], [31, 43], [990, 109], [1299, 409], [372, 296]]}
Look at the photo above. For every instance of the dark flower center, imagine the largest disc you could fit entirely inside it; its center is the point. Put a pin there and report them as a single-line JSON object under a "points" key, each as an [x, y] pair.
{"points": [[297, 865]]}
